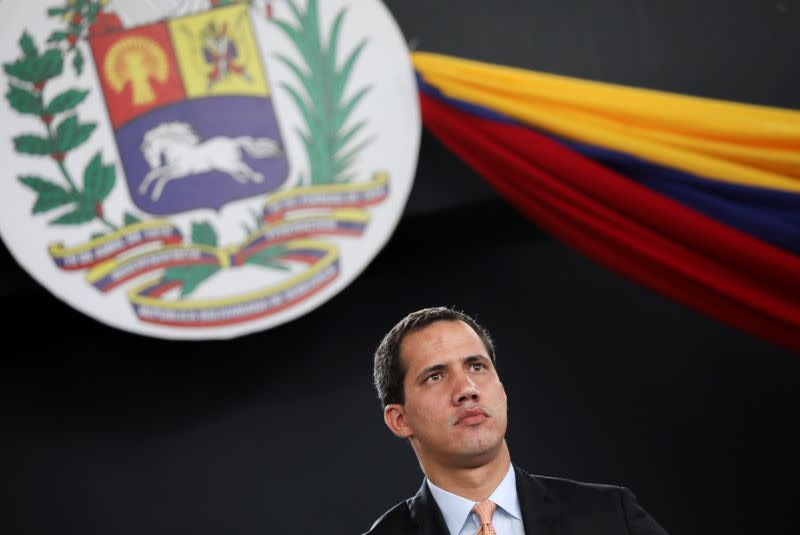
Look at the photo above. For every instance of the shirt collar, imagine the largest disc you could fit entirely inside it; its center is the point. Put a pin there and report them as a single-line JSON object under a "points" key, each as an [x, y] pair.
{"points": [[456, 509]]}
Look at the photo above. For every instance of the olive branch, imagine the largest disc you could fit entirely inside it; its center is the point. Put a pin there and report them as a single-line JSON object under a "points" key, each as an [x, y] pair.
{"points": [[26, 94], [323, 104]]}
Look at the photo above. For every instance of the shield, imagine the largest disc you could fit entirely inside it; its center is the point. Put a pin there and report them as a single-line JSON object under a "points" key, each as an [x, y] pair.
{"points": [[191, 109]]}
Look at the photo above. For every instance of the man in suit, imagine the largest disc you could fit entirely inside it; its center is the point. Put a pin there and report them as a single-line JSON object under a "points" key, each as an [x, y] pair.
{"points": [[436, 379]]}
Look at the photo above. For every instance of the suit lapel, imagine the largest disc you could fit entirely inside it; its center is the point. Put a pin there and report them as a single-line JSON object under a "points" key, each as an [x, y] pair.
{"points": [[541, 515], [425, 514]]}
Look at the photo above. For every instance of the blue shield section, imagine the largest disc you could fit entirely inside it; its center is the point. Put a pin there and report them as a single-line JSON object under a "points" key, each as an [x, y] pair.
{"points": [[202, 153]]}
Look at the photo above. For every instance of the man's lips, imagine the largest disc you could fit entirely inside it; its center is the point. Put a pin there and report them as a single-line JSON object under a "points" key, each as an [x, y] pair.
{"points": [[471, 417]]}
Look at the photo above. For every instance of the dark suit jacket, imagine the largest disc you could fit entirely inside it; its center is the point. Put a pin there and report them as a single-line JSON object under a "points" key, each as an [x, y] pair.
{"points": [[550, 506]]}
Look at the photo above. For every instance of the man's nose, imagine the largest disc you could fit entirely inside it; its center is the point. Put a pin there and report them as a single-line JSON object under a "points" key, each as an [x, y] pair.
{"points": [[465, 389]]}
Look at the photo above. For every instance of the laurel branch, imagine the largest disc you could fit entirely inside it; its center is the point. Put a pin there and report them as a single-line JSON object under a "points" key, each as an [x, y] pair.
{"points": [[63, 132]]}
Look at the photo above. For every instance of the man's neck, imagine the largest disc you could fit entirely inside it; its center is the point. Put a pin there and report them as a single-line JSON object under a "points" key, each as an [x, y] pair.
{"points": [[475, 483]]}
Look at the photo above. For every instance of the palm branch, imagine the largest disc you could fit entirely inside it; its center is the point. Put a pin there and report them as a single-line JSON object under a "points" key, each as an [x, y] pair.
{"points": [[331, 142]]}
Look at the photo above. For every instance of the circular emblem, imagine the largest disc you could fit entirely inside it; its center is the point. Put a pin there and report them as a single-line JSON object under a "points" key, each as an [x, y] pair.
{"points": [[202, 169]]}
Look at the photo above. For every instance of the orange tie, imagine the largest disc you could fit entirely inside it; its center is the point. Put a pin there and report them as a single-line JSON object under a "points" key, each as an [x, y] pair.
{"points": [[485, 510]]}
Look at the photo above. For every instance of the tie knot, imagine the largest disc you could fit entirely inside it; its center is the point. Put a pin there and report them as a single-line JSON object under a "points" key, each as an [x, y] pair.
{"points": [[485, 510]]}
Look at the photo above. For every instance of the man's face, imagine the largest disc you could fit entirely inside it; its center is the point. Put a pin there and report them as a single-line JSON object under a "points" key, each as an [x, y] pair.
{"points": [[455, 405]]}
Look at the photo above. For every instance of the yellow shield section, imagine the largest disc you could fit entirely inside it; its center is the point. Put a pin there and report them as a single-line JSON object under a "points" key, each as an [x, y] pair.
{"points": [[218, 54]]}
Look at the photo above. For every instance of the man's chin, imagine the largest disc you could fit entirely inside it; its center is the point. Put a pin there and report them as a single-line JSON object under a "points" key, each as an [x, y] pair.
{"points": [[471, 455]]}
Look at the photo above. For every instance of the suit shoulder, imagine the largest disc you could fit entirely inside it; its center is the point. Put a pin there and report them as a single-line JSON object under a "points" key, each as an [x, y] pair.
{"points": [[392, 521], [573, 485], [614, 506], [574, 492]]}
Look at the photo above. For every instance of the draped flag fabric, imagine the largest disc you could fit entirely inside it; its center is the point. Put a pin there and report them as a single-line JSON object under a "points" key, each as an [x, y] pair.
{"points": [[698, 199]]}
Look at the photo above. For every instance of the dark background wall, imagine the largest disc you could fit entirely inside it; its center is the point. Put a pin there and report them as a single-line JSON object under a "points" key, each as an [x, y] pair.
{"points": [[107, 432]]}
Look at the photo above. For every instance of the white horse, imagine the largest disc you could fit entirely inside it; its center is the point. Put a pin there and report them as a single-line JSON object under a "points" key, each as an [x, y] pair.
{"points": [[185, 155]]}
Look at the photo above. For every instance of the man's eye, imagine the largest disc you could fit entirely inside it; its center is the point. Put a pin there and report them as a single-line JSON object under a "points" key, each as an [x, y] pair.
{"points": [[436, 377], [476, 366]]}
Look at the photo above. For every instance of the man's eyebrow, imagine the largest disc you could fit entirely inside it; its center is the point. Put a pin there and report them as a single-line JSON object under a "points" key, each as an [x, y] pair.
{"points": [[472, 359], [430, 369], [476, 358]]}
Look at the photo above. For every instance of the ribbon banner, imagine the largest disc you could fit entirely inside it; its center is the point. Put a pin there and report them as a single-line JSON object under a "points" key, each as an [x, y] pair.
{"points": [[114, 259]]}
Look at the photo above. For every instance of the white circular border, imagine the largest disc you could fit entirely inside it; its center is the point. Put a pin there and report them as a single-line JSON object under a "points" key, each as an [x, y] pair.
{"points": [[394, 121]]}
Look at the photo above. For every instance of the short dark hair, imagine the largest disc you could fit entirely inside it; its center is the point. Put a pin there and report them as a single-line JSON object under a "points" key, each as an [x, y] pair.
{"points": [[388, 371]]}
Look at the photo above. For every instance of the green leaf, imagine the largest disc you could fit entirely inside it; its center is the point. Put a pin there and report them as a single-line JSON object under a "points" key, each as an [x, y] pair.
{"points": [[77, 61], [301, 104], [315, 58], [96, 235], [35, 69], [65, 101], [343, 75], [296, 11], [98, 179], [51, 64], [21, 69], [298, 72], [51, 195], [56, 11], [57, 36], [70, 134], [257, 219], [272, 252], [24, 101], [333, 42], [131, 219], [343, 162], [203, 234], [306, 141], [190, 277], [313, 158], [343, 139], [94, 8], [344, 112], [28, 46], [84, 212], [292, 33], [30, 144], [311, 26], [268, 257], [319, 158]]}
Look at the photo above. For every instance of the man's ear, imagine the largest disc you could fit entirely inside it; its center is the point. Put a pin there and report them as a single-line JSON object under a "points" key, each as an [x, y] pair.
{"points": [[395, 419]]}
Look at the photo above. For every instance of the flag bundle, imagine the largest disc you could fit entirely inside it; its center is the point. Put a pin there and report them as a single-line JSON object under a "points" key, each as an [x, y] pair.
{"points": [[696, 198]]}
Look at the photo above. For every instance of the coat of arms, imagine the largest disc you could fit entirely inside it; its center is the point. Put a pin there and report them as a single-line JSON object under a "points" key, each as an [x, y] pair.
{"points": [[208, 170]]}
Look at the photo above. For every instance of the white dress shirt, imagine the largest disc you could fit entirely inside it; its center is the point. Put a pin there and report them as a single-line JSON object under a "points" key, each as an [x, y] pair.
{"points": [[460, 520]]}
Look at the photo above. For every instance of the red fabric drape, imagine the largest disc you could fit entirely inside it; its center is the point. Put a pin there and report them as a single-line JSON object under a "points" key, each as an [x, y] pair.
{"points": [[639, 233]]}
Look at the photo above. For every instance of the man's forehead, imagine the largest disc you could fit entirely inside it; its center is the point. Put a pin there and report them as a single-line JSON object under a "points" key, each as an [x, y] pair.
{"points": [[442, 341]]}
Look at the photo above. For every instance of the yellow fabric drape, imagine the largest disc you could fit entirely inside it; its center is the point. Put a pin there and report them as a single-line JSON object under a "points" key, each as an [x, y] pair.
{"points": [[732, 142]]}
